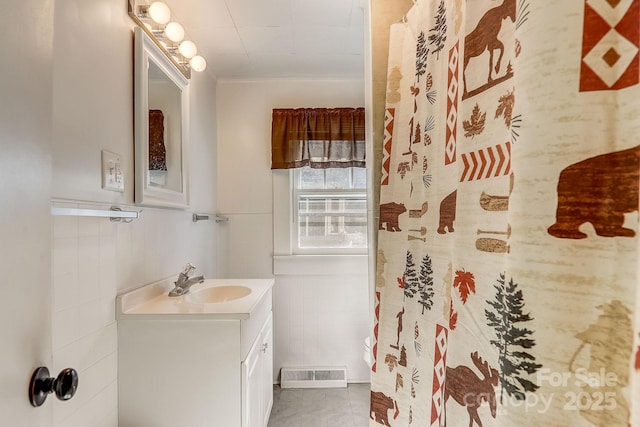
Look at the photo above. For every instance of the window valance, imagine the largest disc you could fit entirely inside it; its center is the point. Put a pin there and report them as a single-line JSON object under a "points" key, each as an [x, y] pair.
{"points": [[317, 137]]}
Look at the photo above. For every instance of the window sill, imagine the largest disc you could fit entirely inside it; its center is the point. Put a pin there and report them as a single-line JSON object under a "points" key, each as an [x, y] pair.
{"points": [[320, 265]]}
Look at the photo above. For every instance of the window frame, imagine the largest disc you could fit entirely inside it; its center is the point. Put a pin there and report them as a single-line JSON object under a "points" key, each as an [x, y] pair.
{"points": [[296, 193]]}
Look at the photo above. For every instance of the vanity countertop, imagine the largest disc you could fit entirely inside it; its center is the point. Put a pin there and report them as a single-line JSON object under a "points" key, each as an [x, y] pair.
{"points": [[152, 301]]}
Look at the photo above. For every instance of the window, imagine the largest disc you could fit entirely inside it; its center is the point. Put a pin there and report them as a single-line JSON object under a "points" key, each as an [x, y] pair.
{"points": [[329, 210]]}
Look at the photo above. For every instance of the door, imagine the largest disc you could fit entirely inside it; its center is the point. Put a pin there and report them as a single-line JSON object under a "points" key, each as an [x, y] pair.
{"points": [[25, 192], [252, 387], [257, 379], [266, 362]]}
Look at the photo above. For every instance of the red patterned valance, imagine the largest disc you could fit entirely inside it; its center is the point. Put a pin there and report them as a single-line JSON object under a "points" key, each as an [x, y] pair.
{"points": [[317, 137]]}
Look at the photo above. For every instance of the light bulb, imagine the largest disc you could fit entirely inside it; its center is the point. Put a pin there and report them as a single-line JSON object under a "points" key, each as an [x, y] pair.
{"points": [[159, 12], [174, 32], [198, 63], [188, 49]]}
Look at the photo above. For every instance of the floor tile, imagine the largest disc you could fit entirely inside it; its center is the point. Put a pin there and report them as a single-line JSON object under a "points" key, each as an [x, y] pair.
{"points": [[339, 407]]}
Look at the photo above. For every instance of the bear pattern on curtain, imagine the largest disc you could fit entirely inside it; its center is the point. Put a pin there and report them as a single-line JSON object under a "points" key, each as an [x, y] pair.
{"points": [[508, 255]]}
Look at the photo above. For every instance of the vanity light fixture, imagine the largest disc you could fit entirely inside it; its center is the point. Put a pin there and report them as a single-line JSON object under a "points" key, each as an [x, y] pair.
{"points": [[159, 12], [155, 19], [188, 49], [174, 32], [198, 63]]}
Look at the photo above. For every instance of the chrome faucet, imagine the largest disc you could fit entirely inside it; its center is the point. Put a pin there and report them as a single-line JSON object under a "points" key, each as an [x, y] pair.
{"points": [[185, 282]]}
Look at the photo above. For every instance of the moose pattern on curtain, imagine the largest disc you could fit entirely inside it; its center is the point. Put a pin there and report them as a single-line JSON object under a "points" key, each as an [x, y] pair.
{"points": [[507, 285]]}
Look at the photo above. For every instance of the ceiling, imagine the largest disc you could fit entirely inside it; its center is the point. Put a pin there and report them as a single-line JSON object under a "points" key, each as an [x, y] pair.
{"points": [[276, 38]]}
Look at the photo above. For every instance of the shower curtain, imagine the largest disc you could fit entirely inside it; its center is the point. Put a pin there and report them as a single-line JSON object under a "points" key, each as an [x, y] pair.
{"points": [[508, 253]]}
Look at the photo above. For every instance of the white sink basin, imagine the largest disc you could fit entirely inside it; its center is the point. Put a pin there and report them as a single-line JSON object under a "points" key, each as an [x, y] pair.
{"points": [[211, 299], [218, 294]]}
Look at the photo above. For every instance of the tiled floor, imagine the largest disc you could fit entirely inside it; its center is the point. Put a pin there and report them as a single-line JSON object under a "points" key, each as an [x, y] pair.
{"points": [[335, 407]]}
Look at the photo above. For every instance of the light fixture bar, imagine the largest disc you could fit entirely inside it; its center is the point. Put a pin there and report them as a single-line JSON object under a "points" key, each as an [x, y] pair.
{"points": [[167, 35]]}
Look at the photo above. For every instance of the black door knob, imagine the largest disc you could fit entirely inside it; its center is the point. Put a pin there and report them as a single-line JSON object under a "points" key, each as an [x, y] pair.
{"points": [[64, 385]]}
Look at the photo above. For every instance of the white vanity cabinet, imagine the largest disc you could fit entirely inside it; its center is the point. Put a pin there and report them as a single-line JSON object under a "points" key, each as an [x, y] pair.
{"points": [[181, 365]]}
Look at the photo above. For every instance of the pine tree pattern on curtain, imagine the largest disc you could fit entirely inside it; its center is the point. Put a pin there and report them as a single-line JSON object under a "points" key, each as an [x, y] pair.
{"points": [[507, 285]]}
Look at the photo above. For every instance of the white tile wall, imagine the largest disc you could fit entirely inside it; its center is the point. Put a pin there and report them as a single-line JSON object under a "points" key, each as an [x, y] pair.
{"points": [[322, 321], [245, 244], [92, 260]]}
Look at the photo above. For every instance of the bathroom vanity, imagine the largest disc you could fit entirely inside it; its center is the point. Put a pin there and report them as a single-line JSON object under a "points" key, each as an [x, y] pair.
{"points": [[201, 359]]}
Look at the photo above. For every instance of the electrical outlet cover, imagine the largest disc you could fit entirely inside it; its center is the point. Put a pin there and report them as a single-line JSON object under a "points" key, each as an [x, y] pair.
{"points": [[112, 175]]}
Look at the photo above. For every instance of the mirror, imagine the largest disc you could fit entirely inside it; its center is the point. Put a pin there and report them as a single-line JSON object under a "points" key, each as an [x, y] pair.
{"points": [[161, 103]]}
